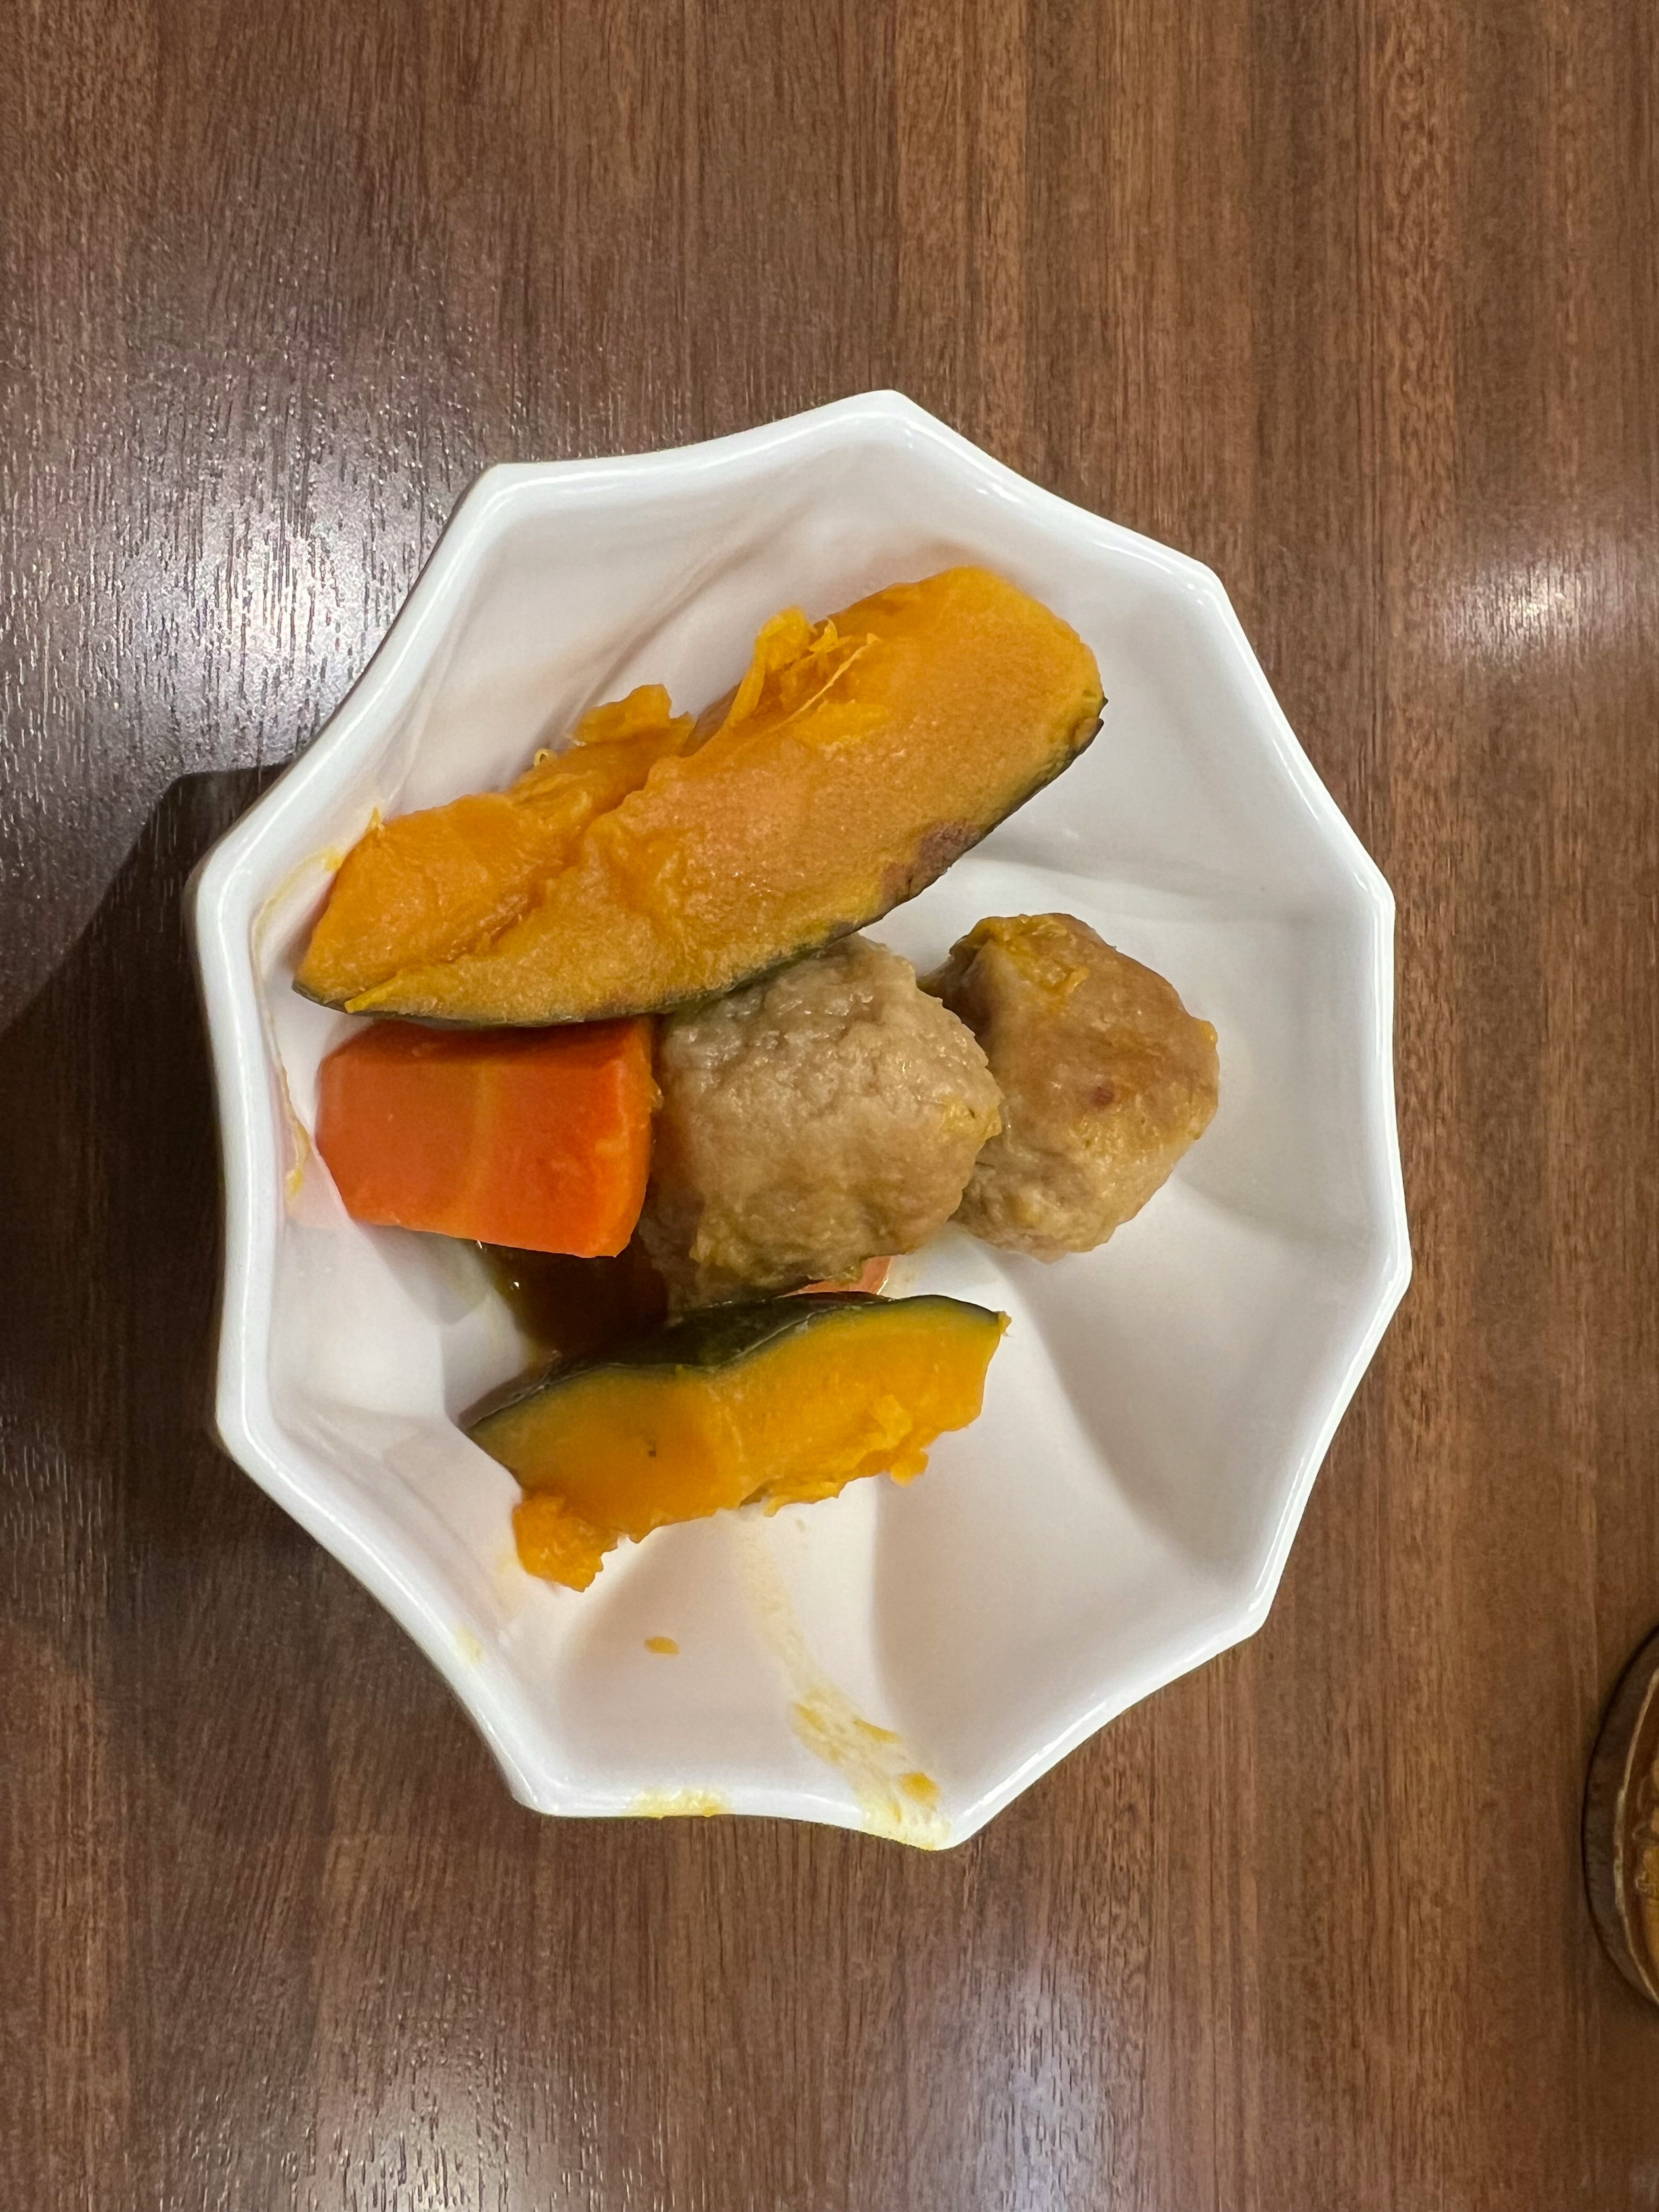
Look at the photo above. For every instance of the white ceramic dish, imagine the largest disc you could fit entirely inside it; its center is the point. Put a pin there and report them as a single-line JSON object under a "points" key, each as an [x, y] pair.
{"points": [[1123, 1508]]}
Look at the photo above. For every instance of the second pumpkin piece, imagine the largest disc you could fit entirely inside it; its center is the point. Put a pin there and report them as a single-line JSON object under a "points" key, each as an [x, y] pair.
{"points": [[787, 1400]]}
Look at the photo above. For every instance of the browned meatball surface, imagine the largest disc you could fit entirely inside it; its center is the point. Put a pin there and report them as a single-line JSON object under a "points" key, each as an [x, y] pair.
{"points": [[808, 1122], [1106, 1079]]}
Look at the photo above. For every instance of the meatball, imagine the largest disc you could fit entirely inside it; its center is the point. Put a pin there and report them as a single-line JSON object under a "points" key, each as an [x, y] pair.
{"points": [[1106, 1079], [825, 1115]]}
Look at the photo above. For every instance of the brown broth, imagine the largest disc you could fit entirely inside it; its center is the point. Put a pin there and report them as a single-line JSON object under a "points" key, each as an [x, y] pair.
{"points": [[576, 1309]]}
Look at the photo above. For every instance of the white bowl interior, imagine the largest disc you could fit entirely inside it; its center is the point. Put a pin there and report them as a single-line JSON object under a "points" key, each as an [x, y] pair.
{"points": [[1123, 1506]]}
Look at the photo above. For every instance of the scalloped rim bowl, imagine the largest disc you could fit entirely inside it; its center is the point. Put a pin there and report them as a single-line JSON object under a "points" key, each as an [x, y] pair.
{"points": [[902, 1659]]}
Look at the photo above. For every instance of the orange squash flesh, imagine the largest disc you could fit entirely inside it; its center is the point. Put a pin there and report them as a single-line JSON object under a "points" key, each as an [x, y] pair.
{"points": [[856, 761], [787, 1400], [433, 885], [541, 1141]]}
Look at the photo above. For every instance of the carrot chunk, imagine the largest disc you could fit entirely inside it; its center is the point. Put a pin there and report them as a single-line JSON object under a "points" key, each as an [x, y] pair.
{"points": [[539, 1138]]}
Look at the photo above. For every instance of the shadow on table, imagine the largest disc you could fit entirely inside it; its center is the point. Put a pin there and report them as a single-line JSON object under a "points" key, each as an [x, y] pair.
{"points": [[138, 1564], [109, 1173]]}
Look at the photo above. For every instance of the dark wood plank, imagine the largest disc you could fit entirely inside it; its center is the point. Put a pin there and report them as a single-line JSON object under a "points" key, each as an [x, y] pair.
{"points": [[1359, 303]]}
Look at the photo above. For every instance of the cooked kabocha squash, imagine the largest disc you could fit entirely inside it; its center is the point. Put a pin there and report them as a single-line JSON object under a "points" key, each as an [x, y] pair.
{"points": [[430, 885], [787, 1399], [856, 761]]}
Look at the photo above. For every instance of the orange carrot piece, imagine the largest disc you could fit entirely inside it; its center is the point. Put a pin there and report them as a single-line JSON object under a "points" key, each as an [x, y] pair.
{"points": [[539, 1138]]}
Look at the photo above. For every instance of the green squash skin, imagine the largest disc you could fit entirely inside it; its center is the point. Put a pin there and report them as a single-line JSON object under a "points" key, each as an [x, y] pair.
{"points": [[926, 866], [712, 1338]]}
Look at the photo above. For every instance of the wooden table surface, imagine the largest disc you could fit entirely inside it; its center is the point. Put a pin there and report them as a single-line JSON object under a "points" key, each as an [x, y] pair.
{"points": [[1359, 303]]}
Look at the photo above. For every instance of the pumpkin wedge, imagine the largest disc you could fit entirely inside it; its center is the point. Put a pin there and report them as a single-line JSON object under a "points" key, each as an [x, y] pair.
{"points": [[854, 762], [787, 1400], [432, 884]]}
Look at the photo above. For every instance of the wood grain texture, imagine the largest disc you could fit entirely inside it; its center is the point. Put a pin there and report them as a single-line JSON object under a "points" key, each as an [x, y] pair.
{"points": [[1358, 303]]}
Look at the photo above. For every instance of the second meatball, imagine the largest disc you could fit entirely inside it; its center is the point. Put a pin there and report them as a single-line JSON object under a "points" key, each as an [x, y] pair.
{"points": [[808, 1122], [1106, 1080]]}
